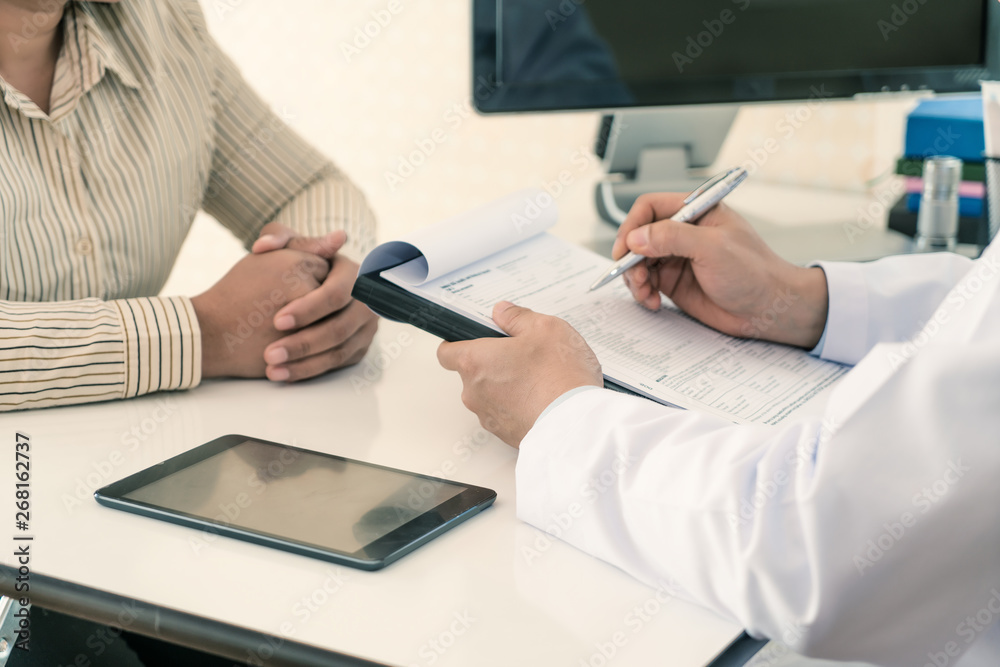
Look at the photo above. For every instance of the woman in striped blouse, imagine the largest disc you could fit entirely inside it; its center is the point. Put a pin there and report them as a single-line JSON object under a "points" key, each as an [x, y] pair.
{"points": [[119, 122]]}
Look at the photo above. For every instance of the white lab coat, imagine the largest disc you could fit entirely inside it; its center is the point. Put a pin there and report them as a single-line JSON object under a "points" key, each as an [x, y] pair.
{"points": [[870, 534]]}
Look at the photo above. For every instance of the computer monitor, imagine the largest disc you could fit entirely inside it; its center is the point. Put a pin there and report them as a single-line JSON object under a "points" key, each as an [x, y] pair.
{"points": [[676, 71]]}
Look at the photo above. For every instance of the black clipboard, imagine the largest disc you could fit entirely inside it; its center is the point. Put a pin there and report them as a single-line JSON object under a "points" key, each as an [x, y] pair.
{"points": [[393, 302]]}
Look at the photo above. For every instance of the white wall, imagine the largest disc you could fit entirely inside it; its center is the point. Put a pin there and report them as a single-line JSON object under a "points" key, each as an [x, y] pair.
{"points": [[368, 109]]}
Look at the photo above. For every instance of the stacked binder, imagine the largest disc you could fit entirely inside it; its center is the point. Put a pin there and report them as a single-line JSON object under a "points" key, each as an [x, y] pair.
{"points": [[944, 126]]}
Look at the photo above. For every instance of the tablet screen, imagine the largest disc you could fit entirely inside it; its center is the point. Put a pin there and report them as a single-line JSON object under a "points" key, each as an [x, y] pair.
{"points": [[313, 498]]}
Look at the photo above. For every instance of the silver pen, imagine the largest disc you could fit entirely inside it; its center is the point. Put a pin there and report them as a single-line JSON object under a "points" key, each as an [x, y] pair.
{"points": [[696, 204]]}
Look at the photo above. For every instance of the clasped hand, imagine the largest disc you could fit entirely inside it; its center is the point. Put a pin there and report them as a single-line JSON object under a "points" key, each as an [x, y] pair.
{"points": [[285, 310]]}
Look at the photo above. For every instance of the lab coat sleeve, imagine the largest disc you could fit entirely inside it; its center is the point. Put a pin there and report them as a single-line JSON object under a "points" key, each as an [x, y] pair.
{"points": [[884, 301], [876, 540]]}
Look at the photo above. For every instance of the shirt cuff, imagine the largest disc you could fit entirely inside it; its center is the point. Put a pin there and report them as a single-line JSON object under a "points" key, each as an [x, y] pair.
{"points": [[539, 455], [563, 398], [845, 337], [162, 344]]}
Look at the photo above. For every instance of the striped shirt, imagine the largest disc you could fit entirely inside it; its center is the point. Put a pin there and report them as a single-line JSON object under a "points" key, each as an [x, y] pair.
{"points": [[149, 122]]}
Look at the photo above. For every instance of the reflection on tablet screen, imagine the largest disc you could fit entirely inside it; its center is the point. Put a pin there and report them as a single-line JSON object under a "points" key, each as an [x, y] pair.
{"points": [[303, 496]]}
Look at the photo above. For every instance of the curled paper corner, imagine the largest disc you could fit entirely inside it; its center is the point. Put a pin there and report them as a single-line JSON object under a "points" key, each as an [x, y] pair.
{"points": [[438, 249]]}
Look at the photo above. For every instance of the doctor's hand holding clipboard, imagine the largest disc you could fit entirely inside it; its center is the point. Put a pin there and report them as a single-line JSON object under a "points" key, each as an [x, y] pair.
{"points": [[869, 532]]}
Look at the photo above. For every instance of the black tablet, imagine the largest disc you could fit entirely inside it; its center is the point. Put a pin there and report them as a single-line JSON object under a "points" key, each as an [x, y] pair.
{"points": [[320, 505]]}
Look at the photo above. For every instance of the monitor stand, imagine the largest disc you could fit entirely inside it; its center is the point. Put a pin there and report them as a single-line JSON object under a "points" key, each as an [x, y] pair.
{"points": [[657, 150], [669, 149]]}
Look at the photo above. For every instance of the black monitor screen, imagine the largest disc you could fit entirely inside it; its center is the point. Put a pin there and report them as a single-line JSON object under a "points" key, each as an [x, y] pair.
{"points": [[551, 54]]}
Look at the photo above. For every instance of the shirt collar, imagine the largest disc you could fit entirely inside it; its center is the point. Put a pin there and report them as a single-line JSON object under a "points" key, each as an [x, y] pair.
{"points": [[94, 41], [116, 41]]}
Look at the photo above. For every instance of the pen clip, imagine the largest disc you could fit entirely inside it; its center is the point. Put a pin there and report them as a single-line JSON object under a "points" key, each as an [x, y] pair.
{"points": [[709, 183]]}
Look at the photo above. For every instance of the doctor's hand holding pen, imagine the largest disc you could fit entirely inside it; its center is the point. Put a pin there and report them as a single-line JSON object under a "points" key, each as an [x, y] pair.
{"points": [[719, 271]]}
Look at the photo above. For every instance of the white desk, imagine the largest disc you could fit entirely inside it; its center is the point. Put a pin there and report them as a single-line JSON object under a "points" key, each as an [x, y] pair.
{"points": [[534, 600], [556, 608]]}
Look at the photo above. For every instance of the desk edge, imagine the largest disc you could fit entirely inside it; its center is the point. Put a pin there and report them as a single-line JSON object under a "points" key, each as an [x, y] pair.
{"points": [[177, 627]]}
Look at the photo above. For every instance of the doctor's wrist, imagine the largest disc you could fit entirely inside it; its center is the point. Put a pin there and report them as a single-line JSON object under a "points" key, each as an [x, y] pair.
{"points": [[808, 303]]}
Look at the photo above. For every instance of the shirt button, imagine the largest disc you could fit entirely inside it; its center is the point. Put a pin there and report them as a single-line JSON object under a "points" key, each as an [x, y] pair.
{"points": [[84, 246]]}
